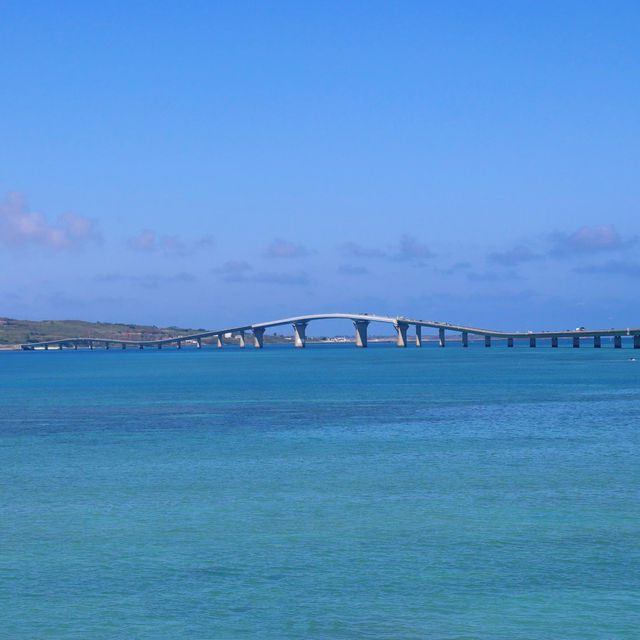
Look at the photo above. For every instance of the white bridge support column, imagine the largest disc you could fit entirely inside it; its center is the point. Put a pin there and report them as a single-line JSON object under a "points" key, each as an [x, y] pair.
{"points": [[487, 341], [401, 330], [617, 342], [199, 343], [441, 337], [465, 339], [106, 345], [418, 335], [576, 342], [636, 341], [532, 342], [299, 334], [178, 344], [554, 342], [596, 342], [90, 345], [509, 342], [258, 337], [219, 341], [240, 335], [361, 332]]}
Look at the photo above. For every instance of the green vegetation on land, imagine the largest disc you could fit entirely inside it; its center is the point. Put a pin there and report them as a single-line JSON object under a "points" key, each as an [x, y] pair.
{"points": [[15, 332]]}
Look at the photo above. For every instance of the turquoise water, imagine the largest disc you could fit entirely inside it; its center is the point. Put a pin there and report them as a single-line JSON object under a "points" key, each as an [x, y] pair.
{"points": [[320, 493]]}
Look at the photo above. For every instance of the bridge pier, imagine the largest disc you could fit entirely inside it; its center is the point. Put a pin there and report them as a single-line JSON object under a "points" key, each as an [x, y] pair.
{"points": [[219, 341], [299, 334], [258, 337], [361, 322], [361, 332], [401, 330]]}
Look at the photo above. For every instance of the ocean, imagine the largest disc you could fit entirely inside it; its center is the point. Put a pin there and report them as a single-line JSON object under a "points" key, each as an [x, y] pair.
{"points": [[326, 492]]}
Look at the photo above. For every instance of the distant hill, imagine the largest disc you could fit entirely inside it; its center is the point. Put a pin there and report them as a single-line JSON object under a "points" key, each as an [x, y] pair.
{"points": [[13, 332]]}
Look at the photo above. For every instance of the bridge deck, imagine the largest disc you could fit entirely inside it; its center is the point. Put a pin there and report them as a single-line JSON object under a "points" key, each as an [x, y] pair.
{"points": [[366, 317]]}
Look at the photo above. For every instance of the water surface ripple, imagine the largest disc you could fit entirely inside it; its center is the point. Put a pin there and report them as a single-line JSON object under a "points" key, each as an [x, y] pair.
{"points": [[320, 493]]}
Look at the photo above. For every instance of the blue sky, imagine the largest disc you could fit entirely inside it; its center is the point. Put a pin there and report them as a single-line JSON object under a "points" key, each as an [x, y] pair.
{"points": [[205, 164]]}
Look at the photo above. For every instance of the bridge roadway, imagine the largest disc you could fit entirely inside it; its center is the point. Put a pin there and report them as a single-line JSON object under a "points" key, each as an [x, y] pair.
{"points": [[361, 322]]}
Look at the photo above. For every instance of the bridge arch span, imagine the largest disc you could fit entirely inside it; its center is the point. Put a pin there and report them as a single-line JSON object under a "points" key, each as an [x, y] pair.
{"points": [[361, 322]]}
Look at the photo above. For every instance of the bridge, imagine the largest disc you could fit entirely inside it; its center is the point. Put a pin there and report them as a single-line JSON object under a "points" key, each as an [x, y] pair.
{"points": [[361, 323]]}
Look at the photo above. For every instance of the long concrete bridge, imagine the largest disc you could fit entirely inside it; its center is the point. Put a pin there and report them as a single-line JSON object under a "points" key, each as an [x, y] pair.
{"points": [[361, 323]]}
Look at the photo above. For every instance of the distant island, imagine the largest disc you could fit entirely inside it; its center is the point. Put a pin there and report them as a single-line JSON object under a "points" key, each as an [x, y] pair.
{"points": [[15, 332]]}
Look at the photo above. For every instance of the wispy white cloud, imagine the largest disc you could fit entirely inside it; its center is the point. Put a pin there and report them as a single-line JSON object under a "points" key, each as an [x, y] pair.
{"points": [[150, 241], [514, 256], [144, 241], [21, 226], [232, 267], [408, 248], [280, 248], [355, 250], [587, 240]]}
